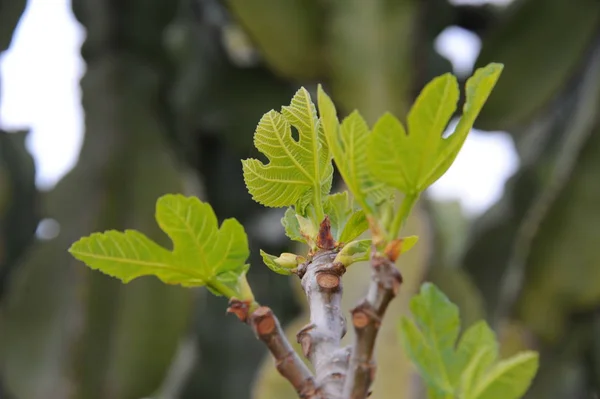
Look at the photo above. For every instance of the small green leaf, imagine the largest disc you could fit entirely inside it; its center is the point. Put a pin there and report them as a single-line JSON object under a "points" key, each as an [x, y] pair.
{"points": [[308, 230], [202, 253], [347, 223], [408, 242], [355, 251], [291, 225], [284, 264], [508, 379], [411, 162], [299, 172], [355, 226], [347, 143]]}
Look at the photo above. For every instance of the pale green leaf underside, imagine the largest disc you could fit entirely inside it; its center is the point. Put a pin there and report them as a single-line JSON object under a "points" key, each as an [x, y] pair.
{"points": [[298, 172], [202, 253], [411, 162], [347, 144]]}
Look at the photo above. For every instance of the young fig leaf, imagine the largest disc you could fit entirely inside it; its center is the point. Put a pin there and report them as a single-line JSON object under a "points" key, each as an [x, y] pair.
{"points": [[202, 253], [347, 222], [469, 371], [291, 225], [299, 172], [478, 89], [354, 251], [398, 246], [429, 341], [347, 144], [412, 162], [284, 264]]}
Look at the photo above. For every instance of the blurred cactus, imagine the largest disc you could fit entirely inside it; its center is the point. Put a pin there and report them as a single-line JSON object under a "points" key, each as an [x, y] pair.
{"points": [[19, 213]]}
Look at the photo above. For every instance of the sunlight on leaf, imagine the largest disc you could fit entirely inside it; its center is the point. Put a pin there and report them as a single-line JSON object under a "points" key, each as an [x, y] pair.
{"points": [[299, 172], [202, 253]]}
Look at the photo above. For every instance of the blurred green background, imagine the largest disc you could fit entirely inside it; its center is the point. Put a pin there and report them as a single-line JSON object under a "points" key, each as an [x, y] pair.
{"points": [[172, 92]]}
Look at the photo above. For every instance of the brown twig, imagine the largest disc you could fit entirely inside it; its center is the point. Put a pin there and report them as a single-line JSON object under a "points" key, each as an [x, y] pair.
{"points": [[321, 339], [366, 318], [265, 325]]}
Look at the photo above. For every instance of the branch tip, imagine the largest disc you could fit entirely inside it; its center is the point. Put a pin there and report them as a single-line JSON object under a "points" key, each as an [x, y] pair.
{"points": [[325, 240], [393, 249], [359, 319], [239, 308], [328, 281]]}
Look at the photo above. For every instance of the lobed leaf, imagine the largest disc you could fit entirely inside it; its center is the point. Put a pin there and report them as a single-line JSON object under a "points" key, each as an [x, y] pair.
{"points": [[412, 162], [478, 89], [347, 144], [469, 371], [299, 172], [202, 253]]}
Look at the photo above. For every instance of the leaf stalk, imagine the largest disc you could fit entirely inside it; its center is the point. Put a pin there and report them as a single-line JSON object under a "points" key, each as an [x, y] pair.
{"points": [[406, 206]]}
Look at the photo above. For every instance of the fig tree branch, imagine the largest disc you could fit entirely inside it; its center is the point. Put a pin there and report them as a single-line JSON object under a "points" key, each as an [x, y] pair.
{"points": [[366, 319], [267, 328], [321, 339]]}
